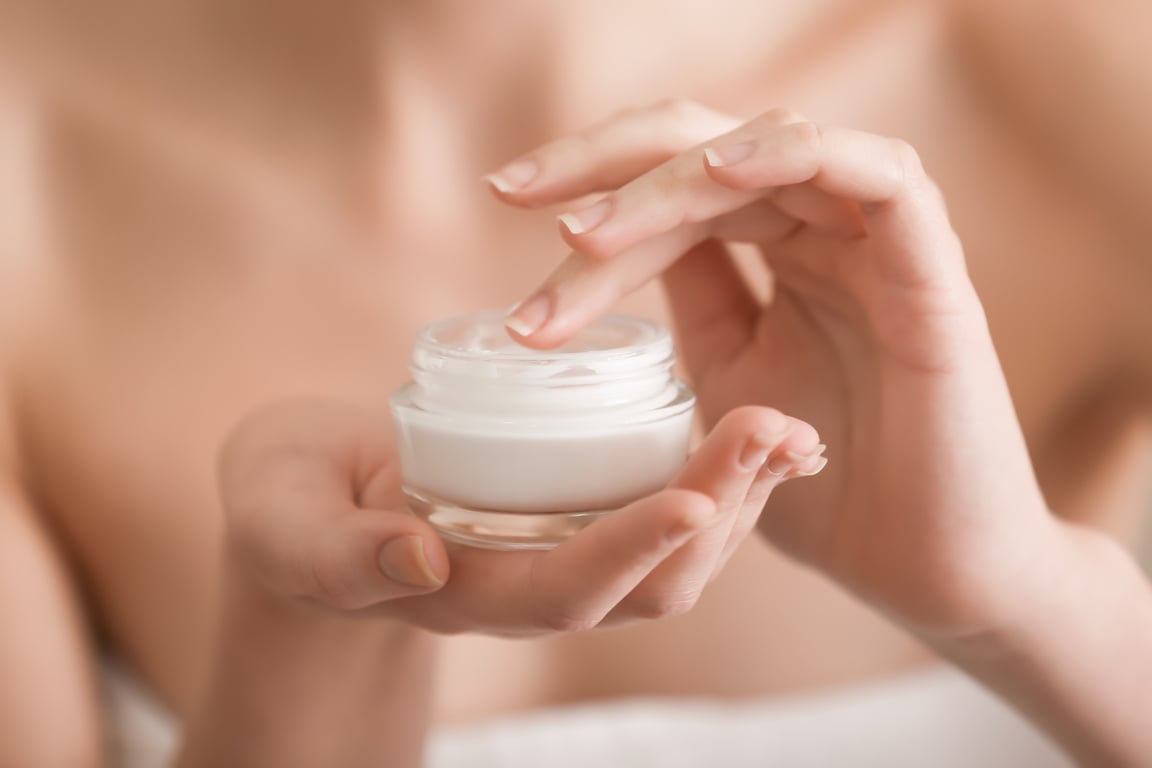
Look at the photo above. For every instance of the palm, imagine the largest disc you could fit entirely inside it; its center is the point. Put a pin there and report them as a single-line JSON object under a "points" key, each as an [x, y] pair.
{"points": [[870, 364]]}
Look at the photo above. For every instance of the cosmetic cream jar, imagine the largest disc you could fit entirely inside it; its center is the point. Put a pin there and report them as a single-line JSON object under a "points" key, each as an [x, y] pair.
{"points": [[506, 447]]}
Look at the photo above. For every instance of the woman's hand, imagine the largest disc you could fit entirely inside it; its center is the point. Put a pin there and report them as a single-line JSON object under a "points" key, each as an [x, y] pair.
{"points": [[316, 515], [873, 333]]}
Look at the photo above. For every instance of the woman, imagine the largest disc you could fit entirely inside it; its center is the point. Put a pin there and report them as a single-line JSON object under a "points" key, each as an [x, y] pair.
{"points": [[220, 184]]}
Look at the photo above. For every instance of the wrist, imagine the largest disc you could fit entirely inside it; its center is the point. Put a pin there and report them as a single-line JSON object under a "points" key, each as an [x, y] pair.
{"points": [[251, 603], [1074, 655], [295, 684], [1025, 595], [250, 607], [1046, 591]]}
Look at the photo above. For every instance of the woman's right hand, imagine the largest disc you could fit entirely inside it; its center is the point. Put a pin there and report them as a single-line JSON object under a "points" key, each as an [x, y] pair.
{"points": [[316, 515]]}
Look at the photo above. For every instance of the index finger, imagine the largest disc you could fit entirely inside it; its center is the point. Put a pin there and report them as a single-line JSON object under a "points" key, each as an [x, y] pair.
{"points": [[727, 188], [897, 200]]}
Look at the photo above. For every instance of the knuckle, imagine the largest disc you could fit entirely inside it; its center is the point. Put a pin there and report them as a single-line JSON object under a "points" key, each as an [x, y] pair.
{"points": [[908, 164], [563, 150], [332, 585], [783, 116], [679, 109], [769, 416], [558, 620], [758, 413], [444, 626], [665, 605], [762, 417], [677, 176], [807, 134], [682, 123]]}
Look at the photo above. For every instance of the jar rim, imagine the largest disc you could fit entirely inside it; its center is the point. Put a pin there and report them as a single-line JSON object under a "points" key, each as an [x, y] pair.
{"points": [[615, 340], [617, 364]]}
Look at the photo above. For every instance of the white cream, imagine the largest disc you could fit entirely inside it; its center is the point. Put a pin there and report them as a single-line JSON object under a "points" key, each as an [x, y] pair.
{"points": [[504, 446]]}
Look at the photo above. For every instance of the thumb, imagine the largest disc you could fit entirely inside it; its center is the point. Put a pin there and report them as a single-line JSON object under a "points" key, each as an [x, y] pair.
{"points": [[347, 559], [713, 309], [368, 556], [314, 510]]}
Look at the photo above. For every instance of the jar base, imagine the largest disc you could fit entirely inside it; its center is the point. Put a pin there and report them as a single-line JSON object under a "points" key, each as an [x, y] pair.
{"points": [[487, 529]]}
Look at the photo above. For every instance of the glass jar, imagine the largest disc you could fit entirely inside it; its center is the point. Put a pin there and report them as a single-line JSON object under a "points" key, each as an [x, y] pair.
{"points": [[507, 447]]}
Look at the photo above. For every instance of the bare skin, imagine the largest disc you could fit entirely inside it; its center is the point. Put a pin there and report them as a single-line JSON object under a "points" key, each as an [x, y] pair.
{"points": [[186, 281]]}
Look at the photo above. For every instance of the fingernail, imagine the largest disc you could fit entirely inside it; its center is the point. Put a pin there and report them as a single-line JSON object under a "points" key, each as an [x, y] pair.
{"points": [[402, 560], [815, 470], [800, 458], [584, 221], [781, 464], [514, 176], [531, 315], [759, 447], [718, 157]]}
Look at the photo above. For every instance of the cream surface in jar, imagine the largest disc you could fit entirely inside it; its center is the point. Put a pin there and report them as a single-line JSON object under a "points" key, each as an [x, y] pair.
{"points": [[508, 447]]}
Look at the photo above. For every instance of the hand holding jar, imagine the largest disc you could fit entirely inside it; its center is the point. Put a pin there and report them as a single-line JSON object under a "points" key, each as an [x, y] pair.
{"points": [[317, 516]]}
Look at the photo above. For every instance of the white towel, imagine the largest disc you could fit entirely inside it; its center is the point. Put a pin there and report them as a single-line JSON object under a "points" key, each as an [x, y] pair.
{"points": [[929, 719]]}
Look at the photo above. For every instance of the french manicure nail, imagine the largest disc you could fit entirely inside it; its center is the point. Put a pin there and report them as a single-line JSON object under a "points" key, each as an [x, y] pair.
{"points": [[581, 222], [800, 458], [760, 446], [531, 315], [780, 465], [718, 157], [756, 452], [402, 559], [514, 176], [815, 470]]}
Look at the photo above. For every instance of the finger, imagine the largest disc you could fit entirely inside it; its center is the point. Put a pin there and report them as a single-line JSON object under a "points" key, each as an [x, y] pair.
{"points": [[723, 469], [584, 287], [650, 222], [306, 539], [676, 193], [884, 176], [607, 154], [713, 310], [295, 480], [813, 208], [664, 214], [575, 586], [775, 444], [800, 456], [568, 588], [367, 557]]}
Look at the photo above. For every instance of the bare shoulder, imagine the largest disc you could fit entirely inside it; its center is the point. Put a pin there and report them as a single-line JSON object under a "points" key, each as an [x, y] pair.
{"points": [[48, 703], [25, 269], [1090, 142], [49, 710], [21, 203]]}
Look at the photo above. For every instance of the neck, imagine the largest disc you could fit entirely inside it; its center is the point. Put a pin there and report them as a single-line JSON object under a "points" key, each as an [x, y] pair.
{"points": [[363, 106]]}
